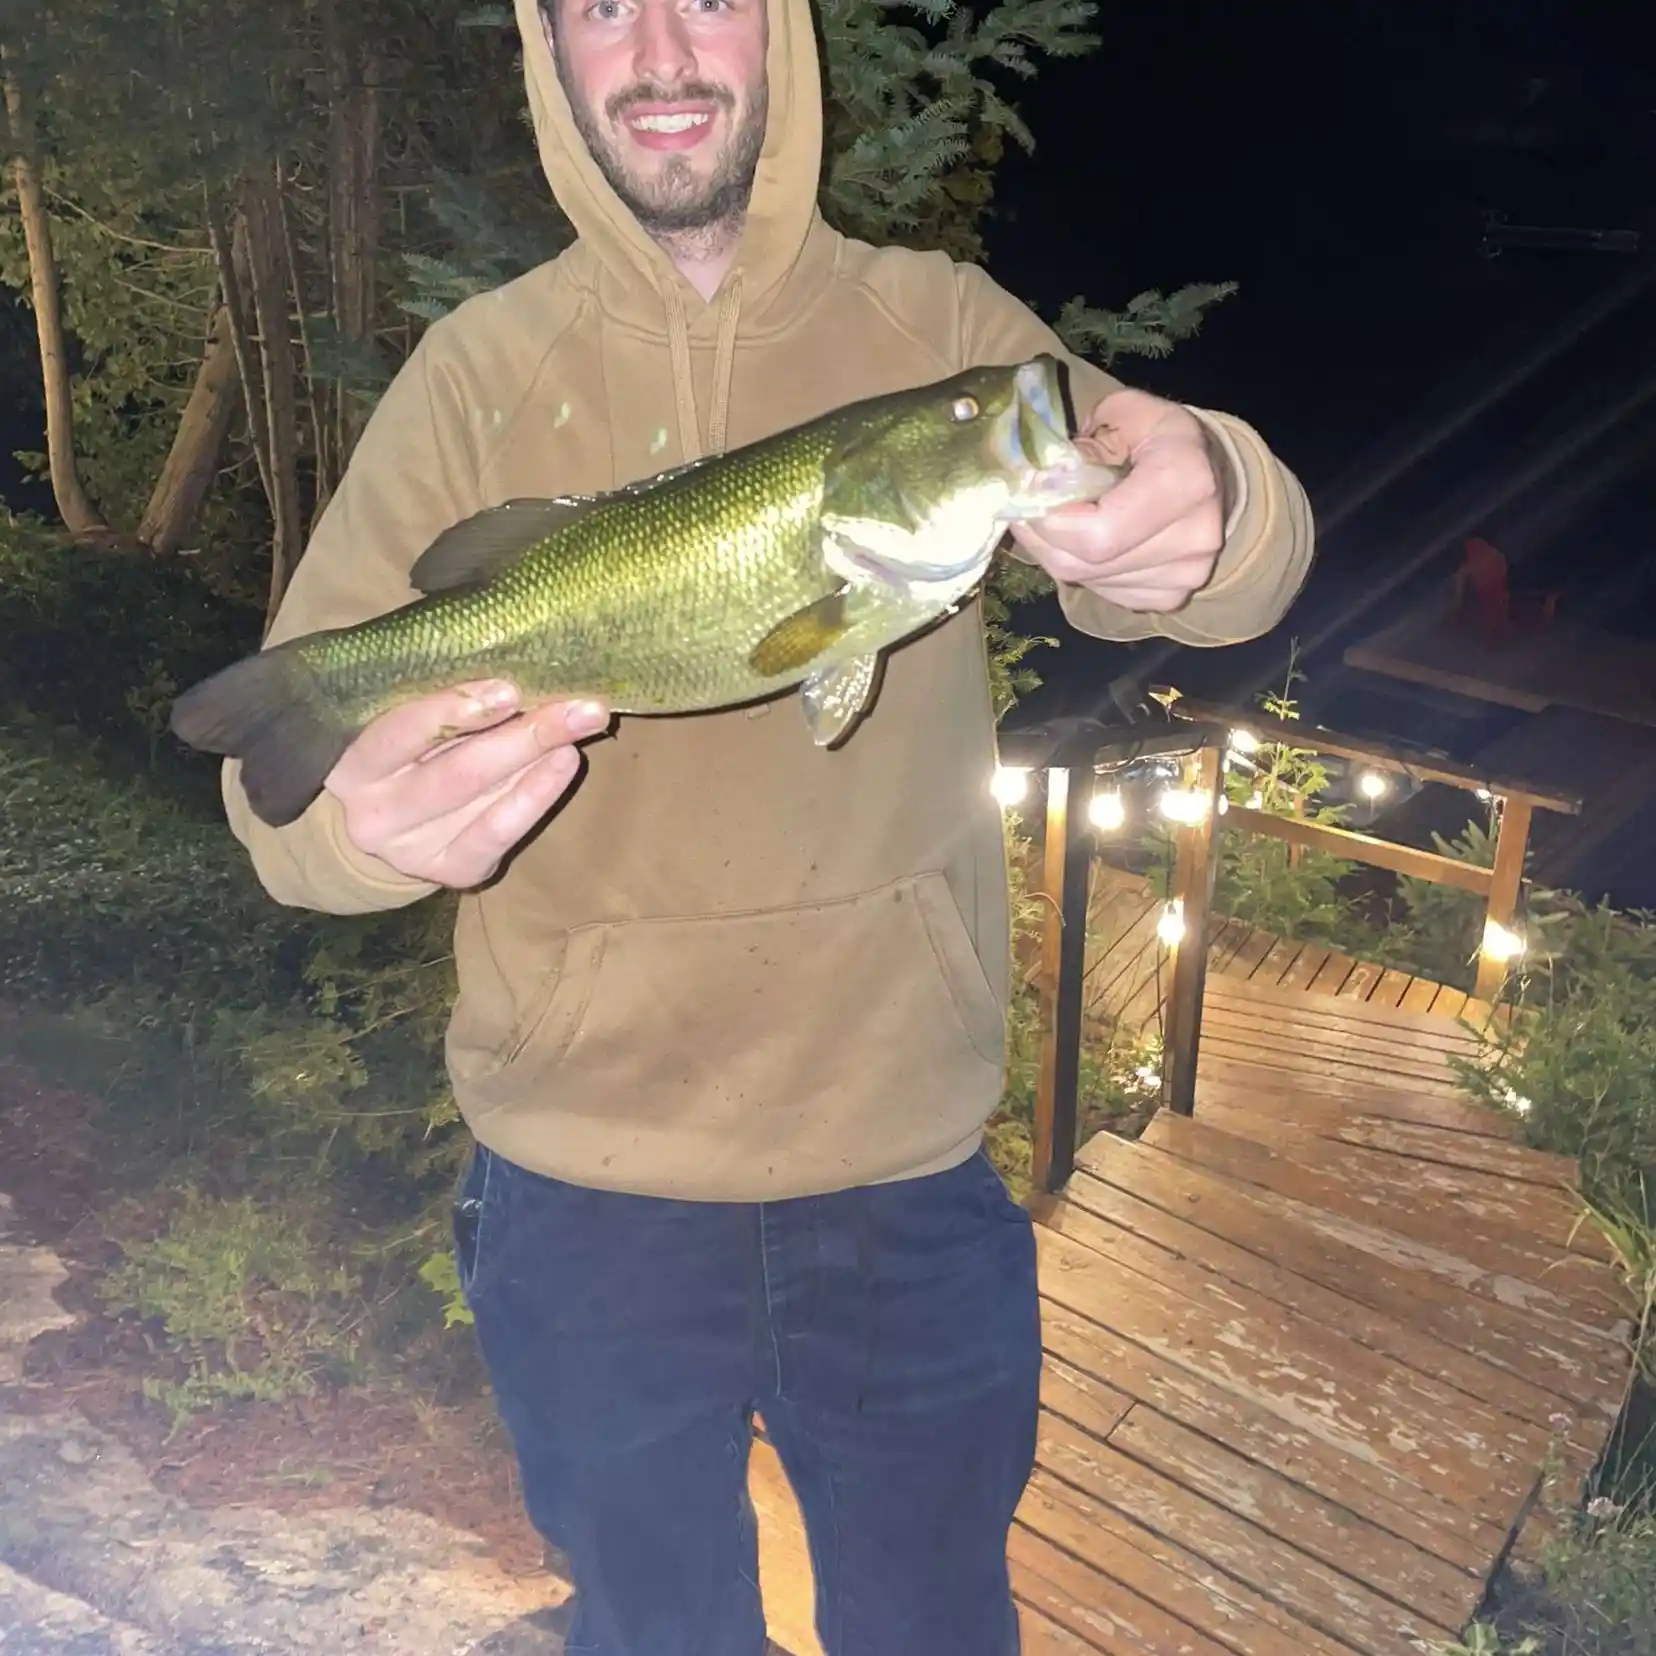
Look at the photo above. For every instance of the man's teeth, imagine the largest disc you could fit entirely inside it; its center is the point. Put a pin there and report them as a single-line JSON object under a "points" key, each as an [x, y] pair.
{"points": [[668, 123]]}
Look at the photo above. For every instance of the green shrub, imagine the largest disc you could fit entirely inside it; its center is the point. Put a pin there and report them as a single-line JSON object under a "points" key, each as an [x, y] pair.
{"points": [[253, 1293], [1578, 1066]]}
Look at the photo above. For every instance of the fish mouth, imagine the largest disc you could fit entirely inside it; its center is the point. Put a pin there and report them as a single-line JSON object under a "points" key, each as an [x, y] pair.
{"points": [[1032, 444]]}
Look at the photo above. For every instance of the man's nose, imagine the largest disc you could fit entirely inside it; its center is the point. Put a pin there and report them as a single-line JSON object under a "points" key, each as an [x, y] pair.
{"points": [[662, 51]]}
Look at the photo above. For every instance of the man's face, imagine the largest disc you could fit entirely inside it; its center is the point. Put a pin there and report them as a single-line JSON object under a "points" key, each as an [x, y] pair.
{"points": [[670, 98]]}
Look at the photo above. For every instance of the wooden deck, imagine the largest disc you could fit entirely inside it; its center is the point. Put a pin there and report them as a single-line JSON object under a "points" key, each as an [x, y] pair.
{"points": [[1305, 1353], [1127, 981]]}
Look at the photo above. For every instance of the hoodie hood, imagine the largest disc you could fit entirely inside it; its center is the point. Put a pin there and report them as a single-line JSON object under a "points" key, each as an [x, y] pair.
{"points": [[638, 283]]}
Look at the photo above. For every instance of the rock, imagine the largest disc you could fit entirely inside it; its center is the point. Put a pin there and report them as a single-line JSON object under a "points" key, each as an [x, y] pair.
{"points": [[28, 1279], [247, 1579], [35, 1621]]}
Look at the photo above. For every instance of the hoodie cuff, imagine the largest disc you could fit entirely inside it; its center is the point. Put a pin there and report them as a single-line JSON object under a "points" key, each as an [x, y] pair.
{"points": [[1262, 564], [313, 863]]}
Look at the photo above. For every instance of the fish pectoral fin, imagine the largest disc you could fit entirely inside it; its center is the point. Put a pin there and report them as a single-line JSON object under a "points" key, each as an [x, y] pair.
{"points": [[478, 548], [836, 697], [800, 638]]}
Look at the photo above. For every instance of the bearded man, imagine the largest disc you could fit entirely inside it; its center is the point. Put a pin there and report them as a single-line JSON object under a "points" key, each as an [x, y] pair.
{"points": [[732, 1008]]}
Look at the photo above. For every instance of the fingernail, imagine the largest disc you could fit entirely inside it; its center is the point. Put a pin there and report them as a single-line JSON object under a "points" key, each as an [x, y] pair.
{"points": [[586, 718]]}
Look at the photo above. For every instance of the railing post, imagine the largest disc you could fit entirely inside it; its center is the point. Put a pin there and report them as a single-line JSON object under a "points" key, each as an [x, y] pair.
{"points": [[1511, 842], [1066, 880], [1193, 880]]}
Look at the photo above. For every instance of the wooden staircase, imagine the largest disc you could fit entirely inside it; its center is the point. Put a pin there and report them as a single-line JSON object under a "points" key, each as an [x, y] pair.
{"points": [[1306, 1352]]}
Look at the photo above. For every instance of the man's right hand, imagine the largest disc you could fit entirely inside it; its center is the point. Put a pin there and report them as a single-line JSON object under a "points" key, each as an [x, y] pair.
{"points": [[444, 787]]}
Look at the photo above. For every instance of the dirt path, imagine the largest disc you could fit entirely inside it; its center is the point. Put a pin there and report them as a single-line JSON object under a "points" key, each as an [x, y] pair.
{"points": [[373, 1524]]}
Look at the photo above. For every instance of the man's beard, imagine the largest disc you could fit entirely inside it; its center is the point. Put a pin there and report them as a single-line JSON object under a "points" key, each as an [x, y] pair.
{"points": [[675, 201]]}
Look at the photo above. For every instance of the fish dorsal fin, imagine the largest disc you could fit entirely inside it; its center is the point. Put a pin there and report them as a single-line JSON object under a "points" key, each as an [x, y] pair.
{"points": [[478, 548]]}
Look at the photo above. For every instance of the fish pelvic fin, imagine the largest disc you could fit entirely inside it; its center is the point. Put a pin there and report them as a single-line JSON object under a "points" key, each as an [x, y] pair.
{"points": [[798, 639], [834, 699], [267, 711]]}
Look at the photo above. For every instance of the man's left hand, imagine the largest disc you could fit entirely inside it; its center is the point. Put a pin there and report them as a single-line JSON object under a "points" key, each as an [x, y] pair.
{"points": [[1153, 540]]}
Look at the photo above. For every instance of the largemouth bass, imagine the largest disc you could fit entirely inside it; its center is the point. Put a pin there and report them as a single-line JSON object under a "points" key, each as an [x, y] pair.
{"points": [[791, 562]]}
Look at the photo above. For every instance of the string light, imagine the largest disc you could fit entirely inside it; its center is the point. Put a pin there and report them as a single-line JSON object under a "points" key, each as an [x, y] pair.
{"points": [[1182, 805], [1010, 783], [1170, 923], [1501, 943], [1372, 785], [1244, 741], [1107, 810]]}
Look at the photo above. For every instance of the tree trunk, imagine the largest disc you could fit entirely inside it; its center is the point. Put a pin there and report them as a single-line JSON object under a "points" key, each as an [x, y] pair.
{"points": [[232, 268], [175, 502], [80, 516], [354, 199], [272, 285]]}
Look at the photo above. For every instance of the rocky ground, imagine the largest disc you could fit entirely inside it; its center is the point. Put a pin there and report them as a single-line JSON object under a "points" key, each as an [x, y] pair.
{"points": [[385, 1526]]}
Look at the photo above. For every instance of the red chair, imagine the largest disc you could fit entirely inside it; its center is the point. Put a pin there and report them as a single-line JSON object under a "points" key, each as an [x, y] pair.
{"points": [[1484, 599]]}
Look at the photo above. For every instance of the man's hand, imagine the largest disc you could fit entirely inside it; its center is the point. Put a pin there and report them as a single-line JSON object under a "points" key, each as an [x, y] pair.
{"points": [[444, 787], [1152, 541]]}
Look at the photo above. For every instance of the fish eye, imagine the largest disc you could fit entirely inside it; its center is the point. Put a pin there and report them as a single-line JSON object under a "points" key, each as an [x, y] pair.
{"points": [[964, 409]]}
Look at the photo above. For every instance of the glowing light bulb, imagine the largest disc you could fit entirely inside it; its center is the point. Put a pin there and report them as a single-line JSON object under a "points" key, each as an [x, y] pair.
{"points": [[1182, 805], [1500, 942], [1010, 783], [1372, 785], [1107, 810], [1244, 741], [1170, 923]]}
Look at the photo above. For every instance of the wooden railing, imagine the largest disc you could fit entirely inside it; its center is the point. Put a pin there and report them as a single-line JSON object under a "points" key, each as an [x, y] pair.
{"points": [[1197, 737]]}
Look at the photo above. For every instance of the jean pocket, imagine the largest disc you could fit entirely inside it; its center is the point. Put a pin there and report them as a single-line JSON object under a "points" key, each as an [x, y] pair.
{"points": [[472, 1220]]}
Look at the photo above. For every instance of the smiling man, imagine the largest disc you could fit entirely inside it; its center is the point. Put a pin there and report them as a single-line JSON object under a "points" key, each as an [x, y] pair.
{"points": [[732, 1015]]}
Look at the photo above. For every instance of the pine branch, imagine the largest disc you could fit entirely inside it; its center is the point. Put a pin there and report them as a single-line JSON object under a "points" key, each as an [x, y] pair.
{"points": [[1150, 326]]}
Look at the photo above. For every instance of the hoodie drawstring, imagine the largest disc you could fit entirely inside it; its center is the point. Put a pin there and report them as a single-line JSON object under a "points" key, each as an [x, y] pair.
{"points": [[724, 363]]}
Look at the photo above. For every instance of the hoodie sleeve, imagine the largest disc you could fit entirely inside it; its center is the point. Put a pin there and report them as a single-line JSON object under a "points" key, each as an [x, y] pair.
{"points": [[1268, 525], [412, 474]]}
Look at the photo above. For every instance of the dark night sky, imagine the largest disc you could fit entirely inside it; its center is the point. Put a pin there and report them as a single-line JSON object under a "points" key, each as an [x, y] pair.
{"points": [[1337, 160]]}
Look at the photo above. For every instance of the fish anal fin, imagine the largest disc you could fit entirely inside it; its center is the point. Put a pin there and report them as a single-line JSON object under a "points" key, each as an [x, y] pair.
{"points": [[834, 699], [798, 639], [476, 549]]}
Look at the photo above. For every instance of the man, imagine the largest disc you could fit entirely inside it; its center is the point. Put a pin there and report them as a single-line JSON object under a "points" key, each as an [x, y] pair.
{"points": [[731, 1008]]}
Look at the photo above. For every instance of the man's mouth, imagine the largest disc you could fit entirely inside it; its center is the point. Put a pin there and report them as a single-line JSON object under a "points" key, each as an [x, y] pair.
{"points": [[668, 123]]}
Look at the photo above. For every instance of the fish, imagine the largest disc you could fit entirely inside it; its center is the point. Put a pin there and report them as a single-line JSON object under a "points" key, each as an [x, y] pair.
{"points": [[793, 563]]}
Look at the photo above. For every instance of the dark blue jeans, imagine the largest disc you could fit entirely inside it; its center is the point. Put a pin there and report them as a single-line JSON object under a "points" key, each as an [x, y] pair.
{"points": [[888, 1336]]}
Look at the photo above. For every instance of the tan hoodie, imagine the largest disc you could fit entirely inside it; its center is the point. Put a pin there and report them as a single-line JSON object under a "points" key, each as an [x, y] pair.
{"points": [[734, 966]]}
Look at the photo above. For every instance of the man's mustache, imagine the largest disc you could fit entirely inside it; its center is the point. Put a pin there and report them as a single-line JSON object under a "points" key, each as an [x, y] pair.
{"points": [[619, 103]]}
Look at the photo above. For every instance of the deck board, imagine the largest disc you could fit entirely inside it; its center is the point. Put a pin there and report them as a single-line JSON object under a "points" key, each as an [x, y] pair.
{"points": [[1305, 1353]]}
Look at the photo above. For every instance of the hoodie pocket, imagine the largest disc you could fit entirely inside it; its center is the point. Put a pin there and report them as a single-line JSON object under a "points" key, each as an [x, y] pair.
{"points": [[758, 1007]]}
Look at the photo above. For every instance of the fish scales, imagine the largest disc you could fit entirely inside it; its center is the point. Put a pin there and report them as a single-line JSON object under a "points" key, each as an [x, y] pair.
{"points": [[793, 561]]}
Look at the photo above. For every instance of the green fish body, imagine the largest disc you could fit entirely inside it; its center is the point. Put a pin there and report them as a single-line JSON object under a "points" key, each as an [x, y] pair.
{"points": [[794, 561]]}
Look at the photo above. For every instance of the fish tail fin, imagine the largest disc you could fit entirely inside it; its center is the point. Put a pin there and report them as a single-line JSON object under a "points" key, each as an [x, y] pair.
{"points": [[267, 710]]}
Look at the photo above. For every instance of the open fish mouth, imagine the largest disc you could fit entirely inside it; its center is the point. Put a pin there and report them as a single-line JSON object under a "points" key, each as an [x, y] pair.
{"points": [[1033, 445]]}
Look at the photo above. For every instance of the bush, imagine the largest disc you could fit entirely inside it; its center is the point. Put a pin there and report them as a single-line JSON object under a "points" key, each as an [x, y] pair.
{"points": [[1578, 1065]]}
